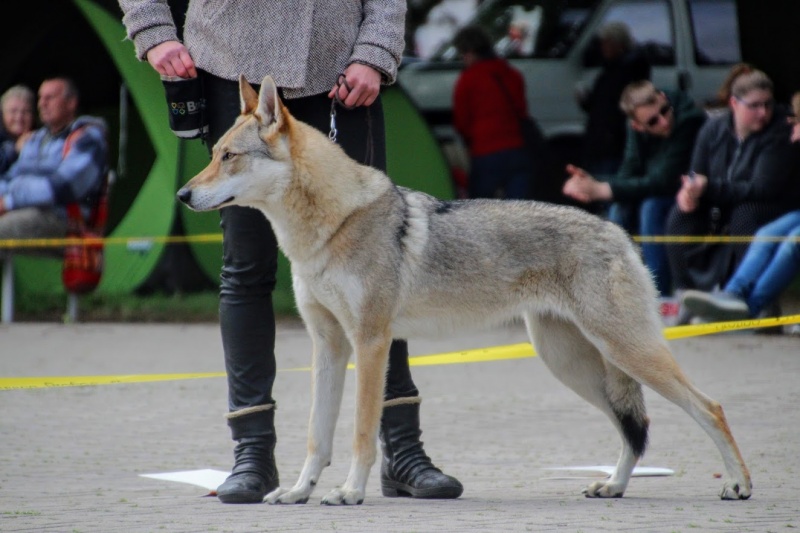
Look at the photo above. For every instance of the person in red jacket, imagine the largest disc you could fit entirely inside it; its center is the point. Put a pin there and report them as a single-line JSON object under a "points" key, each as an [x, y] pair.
{"points": [[488, 103]]}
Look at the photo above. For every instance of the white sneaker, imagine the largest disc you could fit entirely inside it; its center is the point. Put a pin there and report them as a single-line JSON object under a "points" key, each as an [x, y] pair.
{"points": [[717, 306]]}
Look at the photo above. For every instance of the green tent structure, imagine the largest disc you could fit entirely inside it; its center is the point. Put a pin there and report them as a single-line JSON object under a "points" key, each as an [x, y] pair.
{"points": [[145, 220]]}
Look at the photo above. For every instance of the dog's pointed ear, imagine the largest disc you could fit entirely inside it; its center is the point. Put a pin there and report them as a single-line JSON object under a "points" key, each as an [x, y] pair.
{"points": [[247, 96], [269, 106]]}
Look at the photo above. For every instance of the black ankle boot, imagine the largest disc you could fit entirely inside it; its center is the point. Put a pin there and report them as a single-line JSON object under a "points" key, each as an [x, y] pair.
{"points": [[254, 474], [406, 470]]}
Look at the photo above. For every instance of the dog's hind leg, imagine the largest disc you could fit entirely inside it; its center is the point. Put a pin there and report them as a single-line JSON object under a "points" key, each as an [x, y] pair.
{"points": [[372, 359], [578, 364], [614, 309], [650, 362], [330, 356]]}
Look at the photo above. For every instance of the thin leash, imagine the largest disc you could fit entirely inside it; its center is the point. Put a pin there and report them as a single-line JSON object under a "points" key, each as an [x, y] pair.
{"points": [[334, 132]]}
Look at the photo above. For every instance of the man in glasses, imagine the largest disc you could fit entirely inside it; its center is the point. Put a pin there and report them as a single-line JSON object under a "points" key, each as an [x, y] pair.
{"points": [[662, 127], [742, 166]]}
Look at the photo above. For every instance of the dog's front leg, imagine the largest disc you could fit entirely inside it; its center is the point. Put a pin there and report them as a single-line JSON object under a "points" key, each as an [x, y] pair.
{"points": [[331, 353], [372, 357]]}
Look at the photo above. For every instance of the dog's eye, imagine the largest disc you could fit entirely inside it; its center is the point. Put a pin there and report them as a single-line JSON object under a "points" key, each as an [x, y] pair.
{"points": [[227, 156]]}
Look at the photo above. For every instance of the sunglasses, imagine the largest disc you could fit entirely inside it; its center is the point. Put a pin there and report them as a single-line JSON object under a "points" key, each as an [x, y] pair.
{"points": [[756, 105], [652, 121]]}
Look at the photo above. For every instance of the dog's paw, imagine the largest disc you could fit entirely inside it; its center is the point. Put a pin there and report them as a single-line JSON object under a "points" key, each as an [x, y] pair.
{"points": [[732, 490], [281, 496], [604, 489], [339, 496]]}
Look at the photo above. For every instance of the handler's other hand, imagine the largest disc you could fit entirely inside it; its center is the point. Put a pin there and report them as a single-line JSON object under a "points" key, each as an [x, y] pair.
{"points": [[171, 58], [359, 85]]}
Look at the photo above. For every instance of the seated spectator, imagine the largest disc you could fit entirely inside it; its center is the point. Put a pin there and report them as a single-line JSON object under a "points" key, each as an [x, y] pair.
{"points": [[662, 127], [622, 64], [16, 106], [64, 162], [768, 267], [743, 164], [488, 103]]}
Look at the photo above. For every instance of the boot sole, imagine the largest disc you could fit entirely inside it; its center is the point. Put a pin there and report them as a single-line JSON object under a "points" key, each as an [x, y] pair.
{"points": [[242, 497], [401, 490]]}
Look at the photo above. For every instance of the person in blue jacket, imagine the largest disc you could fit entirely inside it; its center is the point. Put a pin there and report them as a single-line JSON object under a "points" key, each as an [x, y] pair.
{"points": [[63, 162]]}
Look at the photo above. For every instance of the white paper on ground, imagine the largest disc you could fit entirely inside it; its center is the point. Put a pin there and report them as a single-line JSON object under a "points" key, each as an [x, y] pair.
{"points": [[603, 471], [210, 479], [207, 478]]}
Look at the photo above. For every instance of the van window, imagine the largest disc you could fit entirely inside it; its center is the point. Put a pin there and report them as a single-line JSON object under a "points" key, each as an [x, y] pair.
{"points": [[529, 28], [650, 22], [716, 32]]}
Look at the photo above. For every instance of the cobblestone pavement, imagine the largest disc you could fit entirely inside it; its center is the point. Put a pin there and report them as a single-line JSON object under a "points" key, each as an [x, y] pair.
{"points": [[72, 457]]}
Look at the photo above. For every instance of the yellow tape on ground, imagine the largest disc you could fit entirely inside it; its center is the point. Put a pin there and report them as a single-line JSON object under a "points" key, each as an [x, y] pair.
{"points": [[696, 330], [480, 355], [84, 381]]}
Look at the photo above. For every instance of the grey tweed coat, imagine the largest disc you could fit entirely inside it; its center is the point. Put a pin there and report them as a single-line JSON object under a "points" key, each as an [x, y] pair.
{"points": [[304, 45]]}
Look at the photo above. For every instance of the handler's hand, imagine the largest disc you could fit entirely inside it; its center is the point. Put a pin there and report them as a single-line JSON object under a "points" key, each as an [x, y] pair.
{"points": [[171, 58], [359, 86]]}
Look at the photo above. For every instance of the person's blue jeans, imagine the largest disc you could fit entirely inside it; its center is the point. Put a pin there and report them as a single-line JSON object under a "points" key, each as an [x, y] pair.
{"points": [[768, 267], [508, 171], [648, 218]]}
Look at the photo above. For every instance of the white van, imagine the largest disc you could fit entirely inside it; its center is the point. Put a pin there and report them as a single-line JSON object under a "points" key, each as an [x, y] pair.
{"points": [[691, 44]]}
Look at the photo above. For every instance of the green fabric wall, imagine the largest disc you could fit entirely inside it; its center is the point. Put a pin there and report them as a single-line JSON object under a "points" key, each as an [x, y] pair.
{"points": [[165, 162]]}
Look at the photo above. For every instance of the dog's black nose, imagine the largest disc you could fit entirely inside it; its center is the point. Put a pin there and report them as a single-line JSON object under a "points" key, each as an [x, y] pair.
{"points": [[184, 195]]}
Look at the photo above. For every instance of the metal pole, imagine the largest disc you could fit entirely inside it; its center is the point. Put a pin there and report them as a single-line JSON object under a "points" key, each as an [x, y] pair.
{"points": [[8, 290]]}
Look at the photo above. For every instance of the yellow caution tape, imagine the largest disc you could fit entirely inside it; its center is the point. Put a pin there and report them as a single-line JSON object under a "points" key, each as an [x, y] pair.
{"points": [[480, 355], [696, 330], [164, 239], [84, 381], [217, 238], [666, 239]]}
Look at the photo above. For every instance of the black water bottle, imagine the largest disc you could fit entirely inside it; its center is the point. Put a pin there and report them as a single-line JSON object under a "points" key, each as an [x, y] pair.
{"points": [[187, 117]]}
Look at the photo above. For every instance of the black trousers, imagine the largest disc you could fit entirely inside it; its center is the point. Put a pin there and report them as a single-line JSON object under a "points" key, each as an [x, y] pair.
{"points": [[250, 251], [703, 266]]}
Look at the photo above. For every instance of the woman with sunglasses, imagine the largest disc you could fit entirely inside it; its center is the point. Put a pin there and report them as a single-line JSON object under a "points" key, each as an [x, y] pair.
{"points": [[742, 167]]}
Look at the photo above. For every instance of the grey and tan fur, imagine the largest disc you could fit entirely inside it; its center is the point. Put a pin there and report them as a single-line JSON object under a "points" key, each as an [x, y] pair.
{"points": [[372, 261]]}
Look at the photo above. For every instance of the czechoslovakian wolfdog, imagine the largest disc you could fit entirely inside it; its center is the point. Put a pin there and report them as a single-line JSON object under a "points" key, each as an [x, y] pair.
{"points": [[372, 261]]}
